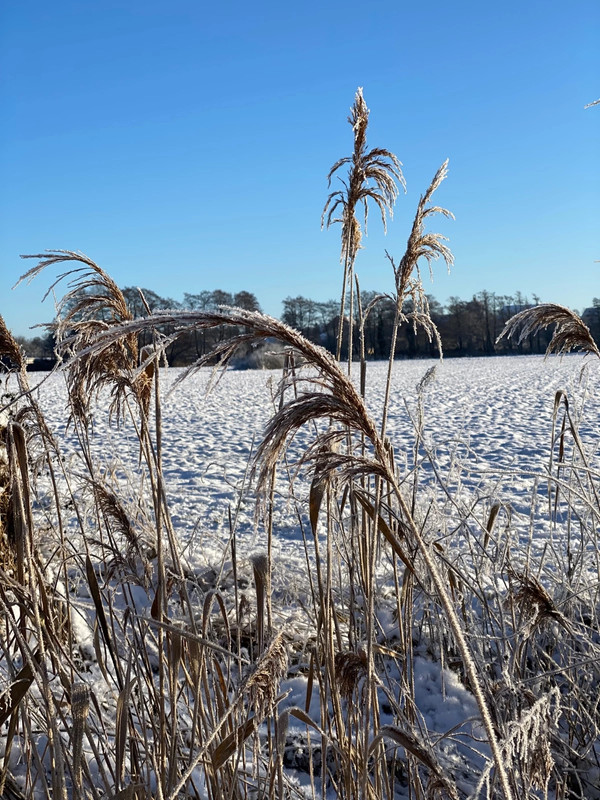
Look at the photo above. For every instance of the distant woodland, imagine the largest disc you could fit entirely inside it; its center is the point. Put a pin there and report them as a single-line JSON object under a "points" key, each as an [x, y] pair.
{"points": [[466, 327]]}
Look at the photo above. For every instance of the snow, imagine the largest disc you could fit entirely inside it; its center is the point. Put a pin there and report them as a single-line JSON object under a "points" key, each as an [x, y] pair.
{"points": [[488, 422], [486, 438]]}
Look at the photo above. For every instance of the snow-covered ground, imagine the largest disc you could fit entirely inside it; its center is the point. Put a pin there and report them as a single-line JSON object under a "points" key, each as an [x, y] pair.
{"points": [[487, 424], [486, 436]]}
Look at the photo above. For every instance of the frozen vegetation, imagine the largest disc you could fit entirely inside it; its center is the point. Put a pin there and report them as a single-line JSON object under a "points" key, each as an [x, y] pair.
{"points": [[500, 494]]}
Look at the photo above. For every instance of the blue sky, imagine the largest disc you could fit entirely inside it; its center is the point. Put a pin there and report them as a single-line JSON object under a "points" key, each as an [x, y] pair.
{"points": [[185, 145]]}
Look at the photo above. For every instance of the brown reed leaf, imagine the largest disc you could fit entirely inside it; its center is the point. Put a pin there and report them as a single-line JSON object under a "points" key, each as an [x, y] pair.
{"points": [[260, 567], [423, 754], [385, 529], [570, 332], [103, 626], [80, 706], [315, 498], [121, 725], [228, 746], [11, 697]]}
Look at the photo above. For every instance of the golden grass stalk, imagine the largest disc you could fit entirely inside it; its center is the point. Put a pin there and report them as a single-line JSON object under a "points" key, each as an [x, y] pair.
{"points": [[570, 331]]}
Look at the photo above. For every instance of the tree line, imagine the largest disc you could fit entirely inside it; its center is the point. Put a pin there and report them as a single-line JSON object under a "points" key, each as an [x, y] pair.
{"points": [[466, 327]]}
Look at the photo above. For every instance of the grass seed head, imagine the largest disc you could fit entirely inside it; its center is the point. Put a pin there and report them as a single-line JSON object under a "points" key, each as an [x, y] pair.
{"points": [[372, 176], [350, 669], [9, 349], [570, 331], [263, 683]]}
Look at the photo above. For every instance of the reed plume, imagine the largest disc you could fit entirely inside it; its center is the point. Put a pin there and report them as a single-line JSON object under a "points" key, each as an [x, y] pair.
{"points": [[372, 177], [421, 244], [570, 331], [9, 348], [263, 683], [93, 304]]}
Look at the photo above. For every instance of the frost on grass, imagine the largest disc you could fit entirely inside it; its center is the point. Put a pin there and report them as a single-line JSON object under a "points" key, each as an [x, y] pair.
{"points": [[506, 496]]}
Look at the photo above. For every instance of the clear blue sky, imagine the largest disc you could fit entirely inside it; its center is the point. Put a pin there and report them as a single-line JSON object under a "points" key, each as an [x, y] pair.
{"points": [[185, 145]]}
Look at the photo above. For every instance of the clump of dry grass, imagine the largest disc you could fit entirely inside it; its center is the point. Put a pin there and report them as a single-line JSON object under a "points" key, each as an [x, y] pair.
{"points": [[329, 395]]}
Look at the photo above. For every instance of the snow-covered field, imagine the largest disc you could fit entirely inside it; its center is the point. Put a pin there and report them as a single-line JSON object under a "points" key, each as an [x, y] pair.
{"points": [[487, 426], [486, 438]]}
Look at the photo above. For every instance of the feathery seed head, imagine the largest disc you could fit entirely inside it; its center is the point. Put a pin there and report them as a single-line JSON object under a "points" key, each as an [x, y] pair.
{"points": [[372, 177], [570, 332], [350, 668], [429, 246], [263, 684]]}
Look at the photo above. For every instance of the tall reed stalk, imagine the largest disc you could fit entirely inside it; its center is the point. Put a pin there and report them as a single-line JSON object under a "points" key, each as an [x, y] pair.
{"points": [[372, 177]]}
